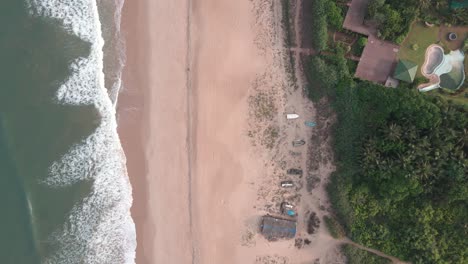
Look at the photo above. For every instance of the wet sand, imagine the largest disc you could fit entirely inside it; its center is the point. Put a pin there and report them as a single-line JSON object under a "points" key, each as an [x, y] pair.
{"points": [[153, 128]]}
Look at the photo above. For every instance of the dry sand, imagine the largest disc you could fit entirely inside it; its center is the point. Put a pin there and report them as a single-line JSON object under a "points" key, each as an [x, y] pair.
{"points": [[202, 122]]}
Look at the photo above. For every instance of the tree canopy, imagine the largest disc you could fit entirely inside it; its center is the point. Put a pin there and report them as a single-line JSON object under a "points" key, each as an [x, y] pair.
{"points": [[401, 185], [394, 17]]}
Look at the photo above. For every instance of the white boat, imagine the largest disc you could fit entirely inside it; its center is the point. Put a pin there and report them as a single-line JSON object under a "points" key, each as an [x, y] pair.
{"points": [[292, 116]]}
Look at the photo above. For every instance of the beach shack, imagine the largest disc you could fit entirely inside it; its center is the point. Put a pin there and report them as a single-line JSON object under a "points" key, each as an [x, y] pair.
{"points": [[273, 228]]}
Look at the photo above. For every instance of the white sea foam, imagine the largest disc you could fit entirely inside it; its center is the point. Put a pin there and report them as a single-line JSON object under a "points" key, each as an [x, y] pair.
{"points": [[100, 229]]}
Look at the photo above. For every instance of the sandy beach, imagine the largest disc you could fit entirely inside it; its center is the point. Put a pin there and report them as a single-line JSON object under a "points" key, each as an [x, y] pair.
{"points": [[204, 160]]}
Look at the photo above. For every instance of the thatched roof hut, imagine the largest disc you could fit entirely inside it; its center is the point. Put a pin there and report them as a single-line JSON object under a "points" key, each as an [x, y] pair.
{"points": [[274, 228]]}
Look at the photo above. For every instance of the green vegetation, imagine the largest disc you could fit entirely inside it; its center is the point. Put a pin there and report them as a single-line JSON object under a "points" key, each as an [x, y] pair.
{"points": [[286, 21], [358, 47], [359, 256], [460, 96], [289, 38], [394, 17], [319, 24], [334, 15], [421, 36], [325, 71], [334, 227], [401, 184], [362, 42], [439, 12]]}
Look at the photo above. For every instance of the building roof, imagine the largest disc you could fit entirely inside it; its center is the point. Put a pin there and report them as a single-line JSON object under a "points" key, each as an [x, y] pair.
{"points": [[275, 228], [405, 71], [377, 60], [354, 19]]}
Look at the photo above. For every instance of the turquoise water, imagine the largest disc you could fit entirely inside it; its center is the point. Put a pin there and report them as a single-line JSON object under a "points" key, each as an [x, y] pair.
{"points": [[42, 205]]}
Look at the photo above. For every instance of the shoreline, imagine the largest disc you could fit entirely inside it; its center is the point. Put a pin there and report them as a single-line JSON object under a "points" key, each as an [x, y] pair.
{"points": [[130, 109], [150, 129]]}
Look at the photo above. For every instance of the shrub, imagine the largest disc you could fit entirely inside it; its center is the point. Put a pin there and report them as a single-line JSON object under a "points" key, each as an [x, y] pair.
{"points": [[335, 229], [334, 16], [362, 42], [415, 47], [400, 39], [319, 23], [373, 7]]}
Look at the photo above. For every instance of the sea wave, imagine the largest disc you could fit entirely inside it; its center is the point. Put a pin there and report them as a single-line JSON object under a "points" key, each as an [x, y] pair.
{"points": [[100, 229]]}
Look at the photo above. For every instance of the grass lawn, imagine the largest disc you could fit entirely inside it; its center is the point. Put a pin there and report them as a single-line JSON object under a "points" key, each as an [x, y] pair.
{"points": [[458, 97], [421, 35]]}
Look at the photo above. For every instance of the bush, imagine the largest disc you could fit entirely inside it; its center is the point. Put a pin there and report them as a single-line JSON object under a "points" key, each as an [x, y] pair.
{"points": [[334, 16], [400, 39], [415, 47], [352, 66], [419, 80], [373, 7], [362, 42], [335, 229], [319, 23], [393, 17], [359, 46], [387, 191]]}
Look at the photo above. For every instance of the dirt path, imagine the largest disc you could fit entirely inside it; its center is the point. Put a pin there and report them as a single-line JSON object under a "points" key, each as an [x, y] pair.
{"points": [[374, 251]]}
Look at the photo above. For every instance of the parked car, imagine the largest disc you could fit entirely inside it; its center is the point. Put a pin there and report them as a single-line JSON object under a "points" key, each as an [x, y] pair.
{"points": [[294, 171], [298, 142], [287, 184]]}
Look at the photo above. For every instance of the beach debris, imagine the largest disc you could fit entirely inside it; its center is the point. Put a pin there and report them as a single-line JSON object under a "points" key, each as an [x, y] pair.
{"points": [[287, 209], [311, 182], [287, 184], [294, 172], [298, 142], [298, 243], [295, 154], [271, 260], [292, 116], [248, 238], [310, 123], [313, 223]]}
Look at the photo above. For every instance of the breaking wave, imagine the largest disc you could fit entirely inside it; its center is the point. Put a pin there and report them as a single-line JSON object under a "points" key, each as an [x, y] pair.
{"points": [[100, 229]]}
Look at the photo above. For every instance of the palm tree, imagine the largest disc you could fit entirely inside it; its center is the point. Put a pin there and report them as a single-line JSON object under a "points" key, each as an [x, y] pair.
{"points": [[425, 4], [463, 141], [424, 170], [393, 132]]}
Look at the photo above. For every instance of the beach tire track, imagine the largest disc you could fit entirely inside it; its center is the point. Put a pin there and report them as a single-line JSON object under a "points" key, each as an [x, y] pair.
{"points": [[190, 126]]}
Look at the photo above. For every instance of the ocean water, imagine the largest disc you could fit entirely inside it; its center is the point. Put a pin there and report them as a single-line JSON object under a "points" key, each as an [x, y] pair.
{"points": [[64, 191]]}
